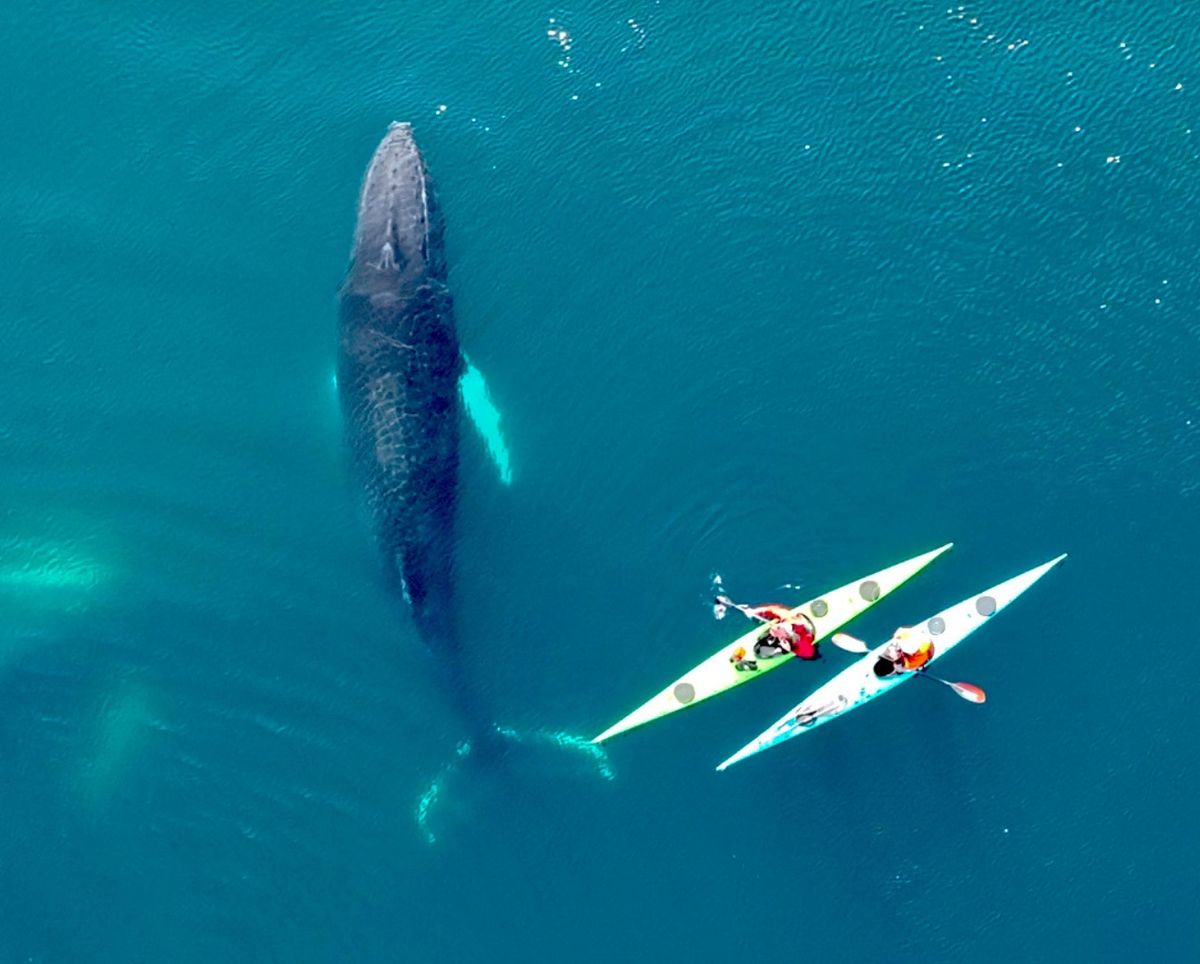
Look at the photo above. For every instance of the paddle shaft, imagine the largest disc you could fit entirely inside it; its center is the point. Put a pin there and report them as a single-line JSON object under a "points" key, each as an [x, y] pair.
{"points": [[745, 610]]}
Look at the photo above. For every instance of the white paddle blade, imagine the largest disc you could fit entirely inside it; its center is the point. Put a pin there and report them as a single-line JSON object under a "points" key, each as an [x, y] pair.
{"points": [[849, 643]]}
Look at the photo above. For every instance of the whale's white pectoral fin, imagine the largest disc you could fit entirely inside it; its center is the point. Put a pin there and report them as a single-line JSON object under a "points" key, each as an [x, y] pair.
{"points": [[486, 416]]}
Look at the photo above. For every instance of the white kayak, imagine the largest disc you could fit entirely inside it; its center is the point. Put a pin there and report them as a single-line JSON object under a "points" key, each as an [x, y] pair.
{"points": [[718, 673], [858, 684]]}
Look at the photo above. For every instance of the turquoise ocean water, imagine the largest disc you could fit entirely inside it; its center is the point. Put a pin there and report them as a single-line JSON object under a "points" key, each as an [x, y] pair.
{"points": [[781, 292]]}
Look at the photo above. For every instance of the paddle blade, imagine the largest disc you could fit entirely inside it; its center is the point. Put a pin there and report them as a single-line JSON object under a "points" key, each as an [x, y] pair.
{"points": [[852, 645], [969, 692]]}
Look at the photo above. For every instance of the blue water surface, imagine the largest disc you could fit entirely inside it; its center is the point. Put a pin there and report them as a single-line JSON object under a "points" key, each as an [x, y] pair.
{"points": [[785, 292]]}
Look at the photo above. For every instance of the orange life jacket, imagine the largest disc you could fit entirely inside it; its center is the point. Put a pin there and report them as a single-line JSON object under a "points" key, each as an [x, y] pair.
{"points": [[918, 659]]}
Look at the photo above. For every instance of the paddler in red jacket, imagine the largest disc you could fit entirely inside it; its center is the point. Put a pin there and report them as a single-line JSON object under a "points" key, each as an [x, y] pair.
{"points": [[785, 634]]}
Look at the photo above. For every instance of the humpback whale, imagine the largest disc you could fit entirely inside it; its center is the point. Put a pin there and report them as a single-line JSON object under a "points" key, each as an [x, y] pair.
{"points": [[398, 370], [403, 384], [398, 374]]}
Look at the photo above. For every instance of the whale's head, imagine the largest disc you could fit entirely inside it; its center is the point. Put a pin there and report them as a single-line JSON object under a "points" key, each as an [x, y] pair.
{"points": [[398, 235]]}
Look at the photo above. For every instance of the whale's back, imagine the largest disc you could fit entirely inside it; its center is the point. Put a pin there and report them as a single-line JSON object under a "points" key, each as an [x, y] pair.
{"points": [[398, 370]]}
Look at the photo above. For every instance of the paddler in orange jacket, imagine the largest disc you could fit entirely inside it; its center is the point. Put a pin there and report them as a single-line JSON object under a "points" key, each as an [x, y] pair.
{"points": [[906, 652]]}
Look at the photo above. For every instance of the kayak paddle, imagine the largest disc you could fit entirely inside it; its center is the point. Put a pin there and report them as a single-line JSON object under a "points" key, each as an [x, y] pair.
{"points": [[849, 643], [968, 691], [840, 640]]}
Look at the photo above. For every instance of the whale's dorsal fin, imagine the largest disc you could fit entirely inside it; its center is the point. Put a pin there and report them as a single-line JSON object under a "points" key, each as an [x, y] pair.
{"points": [[486, 418]]}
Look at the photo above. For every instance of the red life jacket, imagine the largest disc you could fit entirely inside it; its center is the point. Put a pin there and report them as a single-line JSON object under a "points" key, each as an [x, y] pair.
{"points": [[804, 645]]}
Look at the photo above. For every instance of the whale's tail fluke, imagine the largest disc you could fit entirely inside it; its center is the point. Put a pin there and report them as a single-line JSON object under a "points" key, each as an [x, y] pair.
{"points": [[488, 749]]}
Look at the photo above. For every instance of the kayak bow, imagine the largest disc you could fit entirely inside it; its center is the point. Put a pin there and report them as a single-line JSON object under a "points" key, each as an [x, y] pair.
{"points": [[717, 673], [858, 684]]}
